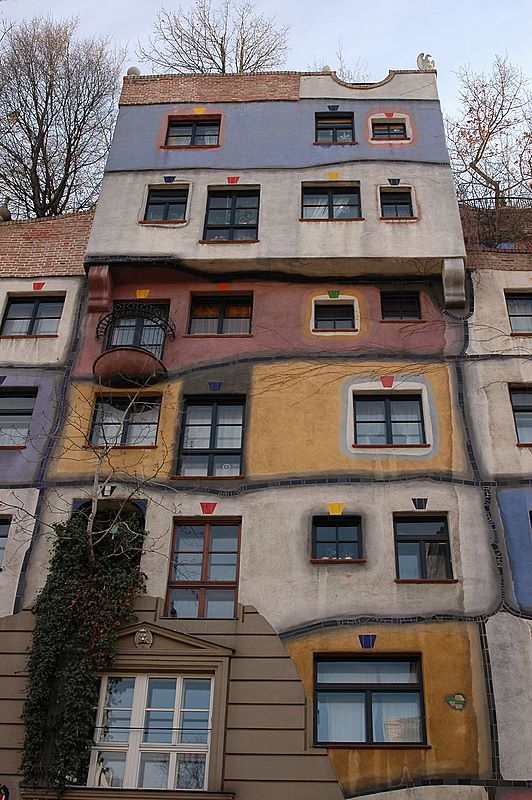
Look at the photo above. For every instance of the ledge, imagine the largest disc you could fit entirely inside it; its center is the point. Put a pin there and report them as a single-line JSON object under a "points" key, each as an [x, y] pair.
{"points": [[426, 580], [334, 144], [163, 221], [333, 561], [398, 219], [206, 477], [189, 147], [217, 336], [31, 336], [332, 219], [80, 792], [114, 447], [407, 321], [387, 446], [12, 446], [376, 746], [382, 140], [228, 241]]}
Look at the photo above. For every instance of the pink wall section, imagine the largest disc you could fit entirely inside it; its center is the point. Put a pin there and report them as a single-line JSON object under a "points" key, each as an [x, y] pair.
{"points": [[281, 320]]}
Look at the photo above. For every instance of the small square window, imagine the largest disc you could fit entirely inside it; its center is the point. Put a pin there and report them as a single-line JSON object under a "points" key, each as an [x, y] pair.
{"points": [[232, 216], [520, 312], [335, 128], [337, 538], [193, 133], [29, 316], [125, 421], [396, 204], [225, 315], [211, 439], [166, 205], [368, 701], [400, 305], [334, 317], [388, 131], [521, 397], [384, 420], [16, 409], [422, 550], [338, 202], [4, 533]]}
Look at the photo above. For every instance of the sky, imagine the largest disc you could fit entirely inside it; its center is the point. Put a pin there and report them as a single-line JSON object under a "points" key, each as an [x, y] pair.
{"points": [[381, 35]]}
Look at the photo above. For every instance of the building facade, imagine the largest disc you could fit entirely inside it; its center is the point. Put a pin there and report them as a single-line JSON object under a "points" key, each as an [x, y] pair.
{"points": [[324, 418]]}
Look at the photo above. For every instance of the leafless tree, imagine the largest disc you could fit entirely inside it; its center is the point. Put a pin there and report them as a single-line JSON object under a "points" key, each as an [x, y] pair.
{"points": [[57, 109], [227, 37], [349, 71], [490, 140]]}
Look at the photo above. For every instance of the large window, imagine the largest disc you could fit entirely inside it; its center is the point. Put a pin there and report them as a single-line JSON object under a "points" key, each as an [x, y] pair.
{"points": [[389, 420], [232, 216], [220, 315], [166, 205], [28, 316], [422, 549], [211, 438], [16, 408], [340, 202], [521, 398], [396, 204], [204, 570], [387, 130], [520, 312], [152, 732], [368, 701], [126, 421], [336, 538], [335, 129], [138, 325], [4, 533], [400, 305], [193, 133]]}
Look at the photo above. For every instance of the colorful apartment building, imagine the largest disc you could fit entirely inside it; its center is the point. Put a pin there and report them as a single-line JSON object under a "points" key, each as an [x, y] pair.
{"points": [[323, 414]]}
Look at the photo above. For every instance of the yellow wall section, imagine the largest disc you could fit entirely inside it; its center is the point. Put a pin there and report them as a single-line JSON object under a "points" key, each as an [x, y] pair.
{"points": [[72, 458], [297, 421], [451, 662]]}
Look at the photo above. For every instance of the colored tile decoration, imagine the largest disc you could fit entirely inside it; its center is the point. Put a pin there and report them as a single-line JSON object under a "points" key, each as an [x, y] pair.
{"points": [[107, 490], [388, 114], [456, 701], [333, 294], [394, 181], [38, 285], [335, 509], [223, 286], [2, 379], [142, 294], [333, 108], [199, 110], [387, 381], [233, 178], [367, 640], [169, 178], [333, 176], [215, 386], [208, 508], [420, 503]]}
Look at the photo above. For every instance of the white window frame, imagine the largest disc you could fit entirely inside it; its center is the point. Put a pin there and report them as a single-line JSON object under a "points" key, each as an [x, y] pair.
{"points": [[135, 747], [342, 299]]}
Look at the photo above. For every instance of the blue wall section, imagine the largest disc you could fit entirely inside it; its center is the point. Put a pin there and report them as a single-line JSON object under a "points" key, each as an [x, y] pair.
{"points": [[515, 506], [272, 134]]}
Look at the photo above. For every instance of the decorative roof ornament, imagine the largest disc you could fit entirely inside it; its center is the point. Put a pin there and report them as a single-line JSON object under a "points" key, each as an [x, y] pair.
{"points": [[133, 72], [425, 62], [143, 639]]}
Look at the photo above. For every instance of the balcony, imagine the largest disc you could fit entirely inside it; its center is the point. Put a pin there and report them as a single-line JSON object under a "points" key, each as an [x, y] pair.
{"points": [[502, 223], [134, 335]]}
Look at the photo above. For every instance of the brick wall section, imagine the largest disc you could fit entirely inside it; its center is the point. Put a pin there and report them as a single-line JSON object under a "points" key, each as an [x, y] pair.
{"points": [[44, 247], [148, 89], [495, 259]]}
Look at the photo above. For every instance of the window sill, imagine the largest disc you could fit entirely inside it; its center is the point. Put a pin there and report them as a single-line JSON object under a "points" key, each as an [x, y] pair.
{"points": [[409, 321], [398, 219], [332, 219], [206, 477], [190, 147], [336, 330], [382, 140], [376, 746], [217, 336], [388, 446], [426, 580], [12, 446], [523, 444], [518, 335], [333, 561], [114, 447], [228, 241], [31, 336], [163, 221], [335, 144]]}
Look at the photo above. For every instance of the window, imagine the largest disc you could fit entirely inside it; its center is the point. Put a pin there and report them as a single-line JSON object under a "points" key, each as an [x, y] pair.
{"points": [[152, 732], [521, 398], [422, 548], [125, 421], [384, 420], [342, 202], [232, 216], [211, 439], [396, 204], [335, 128], [193, 133], [220, 315], [138, 325], [400, 305], [334, 317], [520, 312], [25, 316], [368, 701], [204, 570], [4, 533], [388, 130], [166, 205], [336, 539], [16, 408]]}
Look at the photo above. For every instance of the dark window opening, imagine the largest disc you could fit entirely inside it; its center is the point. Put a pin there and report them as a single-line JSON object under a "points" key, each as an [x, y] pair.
{"points": [[25, 316], [16, 409], [400, 305], [187, 133], [521, 398], [422, 549], [520, 312], [141, 331], [396, 204], [166, 205], [334, 317], [232, 216], [211, 438], [5, 524], [335, 128], [388, 130], [336, 539], [342, 202], [385, 420], [220, 315], [123, 420]]}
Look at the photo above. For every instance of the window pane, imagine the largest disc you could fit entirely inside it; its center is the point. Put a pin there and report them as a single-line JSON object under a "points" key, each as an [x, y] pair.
{"points": [[13, 430], [420, 526], [521, 324], [228, 437], [219, 216], [153, 772], [194, 727], [371, 433], [190, 537], [242, 234], [348, 550], [190, 771], [199, 415], [396, 717], [523, 421], [45, 325], [194, 465], [405, 409], [110, 769], [407, 433], [222, 567], [205, 326], [224, 537], [437, 560], [184, 603], [197, 437], [227, 466], [187, 566], [367, 671], [409, 560], [370, 410], [196, 693], [158, 726], [326, 533], [521, 398], [341, 717], [220, 603], [16, 327], [246, 216], [161, 693]]}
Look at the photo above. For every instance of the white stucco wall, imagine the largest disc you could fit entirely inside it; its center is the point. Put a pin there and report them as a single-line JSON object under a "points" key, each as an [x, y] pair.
{"points": [[489, 327], [19, 506], [397, 84]]}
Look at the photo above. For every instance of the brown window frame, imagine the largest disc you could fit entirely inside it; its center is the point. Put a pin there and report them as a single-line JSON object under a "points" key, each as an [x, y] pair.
{"points": [[203, 584]]}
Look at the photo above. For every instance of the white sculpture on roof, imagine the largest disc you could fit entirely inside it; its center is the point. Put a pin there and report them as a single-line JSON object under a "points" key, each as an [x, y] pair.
{"points": [[425, 62]]}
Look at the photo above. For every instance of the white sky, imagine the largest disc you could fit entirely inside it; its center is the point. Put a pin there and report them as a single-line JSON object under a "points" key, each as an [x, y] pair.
{"points": [[383, 33]]}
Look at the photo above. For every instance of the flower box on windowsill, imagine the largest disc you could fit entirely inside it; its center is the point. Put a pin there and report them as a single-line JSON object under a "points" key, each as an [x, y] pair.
{"points": [[334, 561]]}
